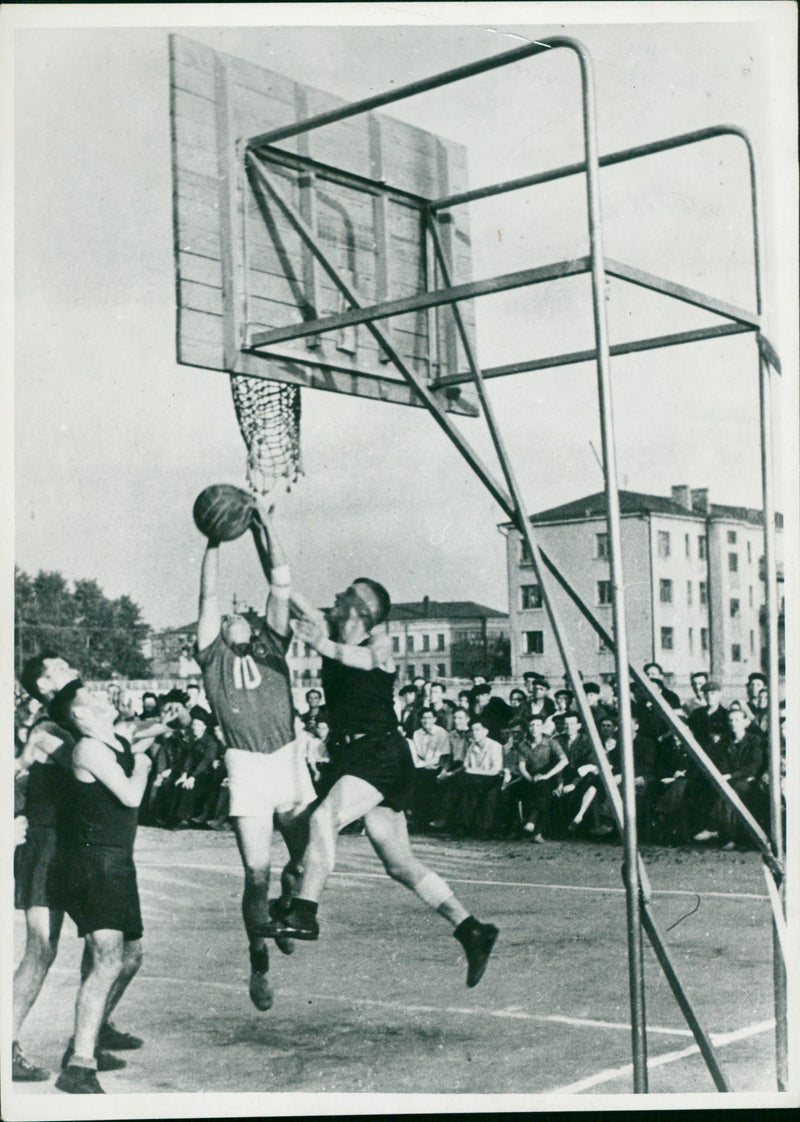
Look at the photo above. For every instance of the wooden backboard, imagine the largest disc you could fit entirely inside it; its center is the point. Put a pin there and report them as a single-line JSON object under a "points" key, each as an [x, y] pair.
{"points": [[358, 184]]}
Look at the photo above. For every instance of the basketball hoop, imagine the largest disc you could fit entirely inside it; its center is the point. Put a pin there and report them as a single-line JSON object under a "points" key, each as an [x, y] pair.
{"points": [[269, 421]]}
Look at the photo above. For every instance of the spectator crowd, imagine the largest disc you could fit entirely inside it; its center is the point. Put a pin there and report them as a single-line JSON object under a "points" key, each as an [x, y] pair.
{"points": [[488, 766]]}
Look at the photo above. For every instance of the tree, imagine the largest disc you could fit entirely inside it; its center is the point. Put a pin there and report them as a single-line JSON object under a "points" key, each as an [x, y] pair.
{"points": [[488, 655], [101, 637]]}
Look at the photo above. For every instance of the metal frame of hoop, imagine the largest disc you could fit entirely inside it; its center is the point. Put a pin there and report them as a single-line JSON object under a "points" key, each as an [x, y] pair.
{"points": [[638, 905]]}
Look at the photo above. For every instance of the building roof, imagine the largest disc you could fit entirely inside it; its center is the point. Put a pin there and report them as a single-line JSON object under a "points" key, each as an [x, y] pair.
{"points": [[443, 609], [636, 502]]}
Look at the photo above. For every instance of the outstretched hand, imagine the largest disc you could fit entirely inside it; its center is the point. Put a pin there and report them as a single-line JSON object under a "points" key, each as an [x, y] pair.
{"points": [[311, 630]]}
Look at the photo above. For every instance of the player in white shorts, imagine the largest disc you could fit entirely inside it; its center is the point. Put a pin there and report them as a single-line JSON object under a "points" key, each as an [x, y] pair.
{"points": [[248, 686]]}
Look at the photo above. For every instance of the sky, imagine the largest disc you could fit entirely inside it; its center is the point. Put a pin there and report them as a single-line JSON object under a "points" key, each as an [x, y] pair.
{"points": [[113, 439]]}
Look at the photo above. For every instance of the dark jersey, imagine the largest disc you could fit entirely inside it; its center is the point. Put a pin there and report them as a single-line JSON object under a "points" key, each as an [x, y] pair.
{"points": [[98, 816], [251, 693], [359, 701]]}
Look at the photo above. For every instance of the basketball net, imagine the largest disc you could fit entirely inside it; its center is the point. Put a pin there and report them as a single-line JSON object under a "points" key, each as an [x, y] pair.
{"points": [[269, 421]]}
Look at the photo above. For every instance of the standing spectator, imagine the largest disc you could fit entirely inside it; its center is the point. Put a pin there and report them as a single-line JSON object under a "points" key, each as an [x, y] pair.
{"points": [[698, 698], [317, 755], [149, 708], [408, 718], [494, 713], [599, 710], [540, 760], [429, 745], [710, 727], [464, 700], [563, 701], [518, 700], [442, 707], [483, 771], [756, 682], [539, 704], [761, 713], [315, 712]]}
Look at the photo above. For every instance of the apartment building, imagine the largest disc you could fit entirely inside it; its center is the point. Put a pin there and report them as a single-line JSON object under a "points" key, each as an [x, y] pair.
{"points": [[694, 586]]}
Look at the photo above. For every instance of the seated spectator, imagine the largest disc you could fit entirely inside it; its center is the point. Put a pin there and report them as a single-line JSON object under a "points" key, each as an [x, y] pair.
{"points": [[452, 767], [168, 752], [197, 776], [602, 812], [480, 784], [429, 745], [600, 711], [645, 781], [541, 759], [672, 821], [744, 763], [464, 700], [442, 707], [578, 787], [494, 713], [698, 698], [710, 728], [196, 696], [315, 712]]}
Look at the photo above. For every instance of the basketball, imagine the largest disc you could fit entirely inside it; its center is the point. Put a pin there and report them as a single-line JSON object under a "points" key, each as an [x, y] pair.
{"points": [[223, 512]]}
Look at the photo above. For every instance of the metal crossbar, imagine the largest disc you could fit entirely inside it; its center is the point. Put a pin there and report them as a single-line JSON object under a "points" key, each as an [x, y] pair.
{"points": [[638, 908]]}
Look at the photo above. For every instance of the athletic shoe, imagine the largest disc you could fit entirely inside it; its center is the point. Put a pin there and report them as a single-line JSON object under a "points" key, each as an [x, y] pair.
{"points": [[106, 1061], [538, 838], [22, 1070], [260, 991], [79, 1081], [477, 939], [277, 911], [291, 926], [116, 1041]]}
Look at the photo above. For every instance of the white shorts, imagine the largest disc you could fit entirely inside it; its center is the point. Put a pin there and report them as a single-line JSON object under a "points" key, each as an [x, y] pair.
{"points": [[260, 783]]}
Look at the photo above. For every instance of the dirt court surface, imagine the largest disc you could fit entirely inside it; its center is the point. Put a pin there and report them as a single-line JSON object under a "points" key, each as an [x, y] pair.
{"points": [[379, 1004]]}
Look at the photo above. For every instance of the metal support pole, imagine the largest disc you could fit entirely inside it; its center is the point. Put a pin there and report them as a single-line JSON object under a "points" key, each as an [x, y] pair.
{"points": [[630, 842], [773, 711]]}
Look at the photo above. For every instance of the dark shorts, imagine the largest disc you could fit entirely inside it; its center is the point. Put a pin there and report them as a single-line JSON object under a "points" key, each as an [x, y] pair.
{"points": [[102, 893], [383, 761], [39, 870]]}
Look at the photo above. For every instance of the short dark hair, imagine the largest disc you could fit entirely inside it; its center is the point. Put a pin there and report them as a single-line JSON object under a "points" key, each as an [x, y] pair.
{"points": [[479, 691], [591, 687], [426, 709], [149, 693], [174, 695], [757, 676], [381, 595], [32, 671], [698, 674], [313, 690], [653, 666], [198, 713], [478, 721], [60, 708]]}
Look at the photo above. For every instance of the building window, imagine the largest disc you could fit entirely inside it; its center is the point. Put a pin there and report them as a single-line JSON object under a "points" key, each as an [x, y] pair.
{"points": [[295, 677], [750, 595], [667, 638], [533, 642], [604, 592], [703, 589], [731, 537], [395, 644], [691, 640], [665, 591], [687, 542], [426, 642], [734, 608], [531, 596], [701, 546], [440, 642], [689, 593], [601, 546], [307, 651], [752, 642], [749, 553], [409, 644], [426, 671], [736, 652], [441, 670], [733, 562], [524, 554], [411, 671], [704, 639], [295, 650], [664, 548]]}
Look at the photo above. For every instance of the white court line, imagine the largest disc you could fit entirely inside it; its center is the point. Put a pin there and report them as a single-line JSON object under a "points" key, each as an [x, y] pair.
{"points": [[719, 1040], [487, 883], [512, 1014]]}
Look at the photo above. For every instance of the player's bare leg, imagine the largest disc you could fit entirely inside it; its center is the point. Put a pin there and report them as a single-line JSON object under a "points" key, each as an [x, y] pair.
{"points": [[42, 931], [254, 838], [387, 830], [294, 827]]}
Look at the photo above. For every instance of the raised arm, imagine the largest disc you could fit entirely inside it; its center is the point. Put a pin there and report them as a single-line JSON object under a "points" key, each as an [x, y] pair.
{"points": [[209, 618], [275, 566], [376, 656], [98, 760]]}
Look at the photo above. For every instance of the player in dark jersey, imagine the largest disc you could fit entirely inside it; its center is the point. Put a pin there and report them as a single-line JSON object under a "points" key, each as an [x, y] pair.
{"points": [[248, 685], [371, 771], [101, 893]]}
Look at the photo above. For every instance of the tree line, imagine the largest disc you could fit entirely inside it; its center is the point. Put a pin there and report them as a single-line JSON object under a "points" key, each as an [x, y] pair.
{"points": [[101, 637]]}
